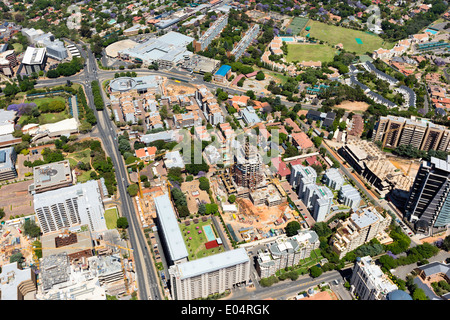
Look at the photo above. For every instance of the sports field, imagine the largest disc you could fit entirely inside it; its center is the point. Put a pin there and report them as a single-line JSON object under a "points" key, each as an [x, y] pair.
{"points": [[310, 52], [353, 40], [297, 24]]}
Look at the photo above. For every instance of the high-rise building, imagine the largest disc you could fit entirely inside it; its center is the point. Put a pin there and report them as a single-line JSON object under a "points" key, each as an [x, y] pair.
{"points": [[301, 177], [319, 200], [213, 31], [368, 282], [333, 178], [420, 133], [246, 40], [363, 225], [428, 205], [8, 163], [80, 204], [51, 176], [350, 196], [214, 274], [248, 167]]}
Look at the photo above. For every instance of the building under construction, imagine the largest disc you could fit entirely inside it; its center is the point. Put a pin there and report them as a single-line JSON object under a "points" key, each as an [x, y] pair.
{"points": [[248, 168]]}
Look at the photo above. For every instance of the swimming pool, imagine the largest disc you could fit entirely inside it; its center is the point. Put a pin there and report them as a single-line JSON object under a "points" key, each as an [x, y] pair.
{"points": [[287, 39], [209, 233], [431, 31]]}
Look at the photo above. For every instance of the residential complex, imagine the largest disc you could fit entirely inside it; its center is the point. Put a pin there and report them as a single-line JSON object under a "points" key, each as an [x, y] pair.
{"points": [[368, 282], [246, 40], [363, 225], [215, 274], [214, 30], [284, 253], [8, 158]]}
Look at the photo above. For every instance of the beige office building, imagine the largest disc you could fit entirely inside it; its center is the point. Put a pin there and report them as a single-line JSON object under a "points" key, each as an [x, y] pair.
{"points": [[214, 274]]}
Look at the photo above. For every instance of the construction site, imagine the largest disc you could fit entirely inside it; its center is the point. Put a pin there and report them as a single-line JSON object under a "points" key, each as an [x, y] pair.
{"points": [[377, 169], [262, 209]]}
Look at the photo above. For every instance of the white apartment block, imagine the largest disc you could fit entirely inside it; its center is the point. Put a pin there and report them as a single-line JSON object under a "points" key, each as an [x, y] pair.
{"points": [[213, 31], [333, 179], [246, 40], [286, 252], [368, 282], [302, 176], [362, 226], [71, 206], [214, 274]]}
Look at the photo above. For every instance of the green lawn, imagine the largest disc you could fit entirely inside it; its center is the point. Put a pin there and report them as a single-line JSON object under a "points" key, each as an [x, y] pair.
{"points": [[334, 35], [47, 117], [196, 246], [307, 52], [111, 217]]}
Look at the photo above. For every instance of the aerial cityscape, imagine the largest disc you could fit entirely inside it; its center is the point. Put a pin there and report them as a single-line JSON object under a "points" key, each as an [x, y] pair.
{"points": [[225, 150]]}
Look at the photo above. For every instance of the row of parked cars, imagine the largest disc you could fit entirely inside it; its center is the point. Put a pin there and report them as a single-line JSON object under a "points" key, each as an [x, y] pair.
{"points": [[404, 227]]}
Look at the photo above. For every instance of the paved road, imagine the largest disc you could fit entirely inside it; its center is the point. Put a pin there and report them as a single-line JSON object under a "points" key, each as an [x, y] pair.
{"points": [[288, 289], [146, 277]]}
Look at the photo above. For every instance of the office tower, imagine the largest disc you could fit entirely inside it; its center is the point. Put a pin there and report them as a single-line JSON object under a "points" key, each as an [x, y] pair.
{"points": [[428, 205]]}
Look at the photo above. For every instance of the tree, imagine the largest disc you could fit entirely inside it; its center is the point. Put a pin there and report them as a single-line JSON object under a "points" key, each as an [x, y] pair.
{"points": [[133, 190], [231, 198], [31, 229], [2, 213], [16, 257], [207, 77], [122, 223], [204, 183], [292, 228], [446, 243], [260, 76], [315, 271], [419, 294]]}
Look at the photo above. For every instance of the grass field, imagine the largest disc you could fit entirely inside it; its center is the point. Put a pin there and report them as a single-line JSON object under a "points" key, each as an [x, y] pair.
{"points": [[111, 217], [334, 35], [48, 117], [196, 246], [307, 52]]}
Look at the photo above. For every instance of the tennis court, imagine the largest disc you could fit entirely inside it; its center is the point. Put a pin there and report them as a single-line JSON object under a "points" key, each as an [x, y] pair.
{"points": [[297, 24]]}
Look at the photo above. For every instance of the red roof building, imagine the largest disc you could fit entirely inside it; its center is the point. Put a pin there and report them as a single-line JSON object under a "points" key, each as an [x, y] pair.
{"points": [[282, 168]]}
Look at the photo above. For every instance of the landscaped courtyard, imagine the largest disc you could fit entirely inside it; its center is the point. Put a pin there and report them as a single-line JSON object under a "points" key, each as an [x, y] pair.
{"points": [[195, 238]]}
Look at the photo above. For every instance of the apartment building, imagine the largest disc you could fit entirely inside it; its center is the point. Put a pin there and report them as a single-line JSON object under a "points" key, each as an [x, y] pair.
{"points": [[214, 274], [302, 176], [318, 199], [80, 204], [333, 178], [213, 31], [368, 282], [363, 225], [209, 106], [350, 196], [187, 120], [420, 133], [428, 205], [246, 40], [286, 252]]}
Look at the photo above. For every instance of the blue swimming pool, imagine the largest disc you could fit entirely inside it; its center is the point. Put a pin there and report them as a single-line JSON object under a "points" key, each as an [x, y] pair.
{"points": [[287, 39], [209, 233], [431, 31]]}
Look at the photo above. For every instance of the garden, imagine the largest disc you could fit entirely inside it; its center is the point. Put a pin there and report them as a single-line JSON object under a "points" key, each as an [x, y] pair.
{"points": [[196, 240]]}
